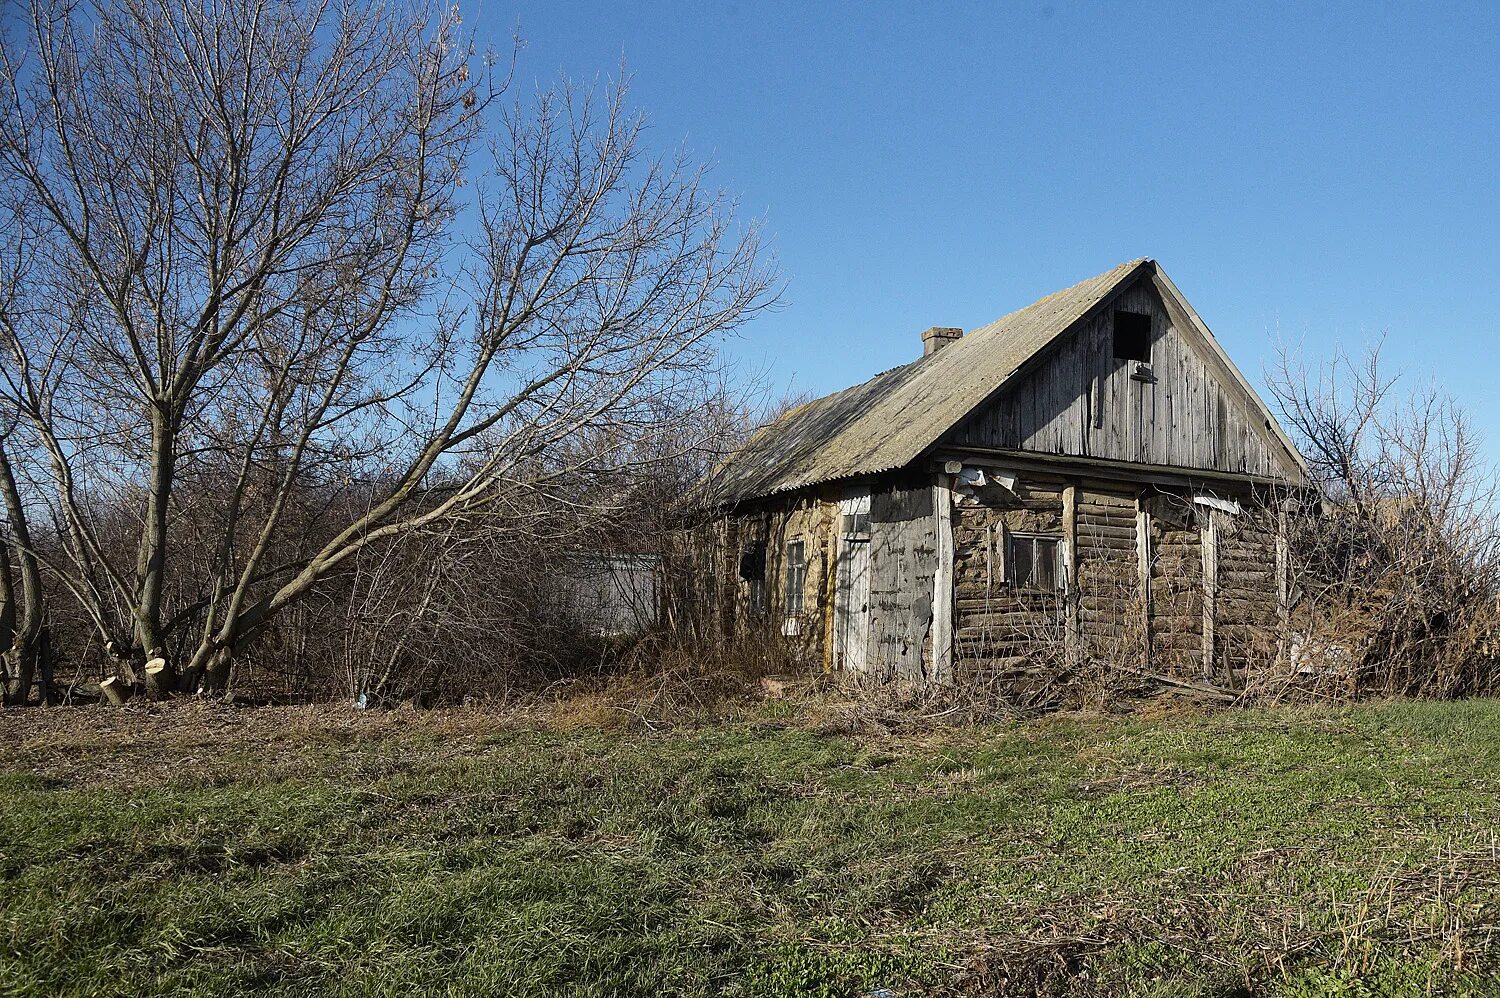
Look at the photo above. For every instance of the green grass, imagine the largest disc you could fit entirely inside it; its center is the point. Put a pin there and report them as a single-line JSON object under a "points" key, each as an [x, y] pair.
{"points": [[1306, 852]]}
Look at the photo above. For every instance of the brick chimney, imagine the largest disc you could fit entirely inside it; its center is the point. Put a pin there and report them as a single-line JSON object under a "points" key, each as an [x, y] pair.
{"points": [[937, 337]]}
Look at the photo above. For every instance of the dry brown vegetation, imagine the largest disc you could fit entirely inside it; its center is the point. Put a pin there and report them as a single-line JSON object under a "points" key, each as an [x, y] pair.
{"points": [[1397, 582], [790, 845], [252, 356]]}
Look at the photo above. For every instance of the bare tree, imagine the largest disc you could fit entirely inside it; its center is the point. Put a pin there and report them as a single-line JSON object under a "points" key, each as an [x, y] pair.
{"points": [[22, 634], [1398, 573], [255, 268]]}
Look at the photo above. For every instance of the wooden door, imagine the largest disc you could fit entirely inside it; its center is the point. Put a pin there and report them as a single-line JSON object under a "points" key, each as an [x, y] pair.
{"points": [[852, 603]]}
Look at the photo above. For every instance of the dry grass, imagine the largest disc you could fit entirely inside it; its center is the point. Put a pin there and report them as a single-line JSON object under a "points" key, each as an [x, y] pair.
{"points": [[823, 841]]}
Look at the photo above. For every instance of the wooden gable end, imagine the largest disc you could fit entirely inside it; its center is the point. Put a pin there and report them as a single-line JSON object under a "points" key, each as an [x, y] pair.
{"points": [[1184, 408]]}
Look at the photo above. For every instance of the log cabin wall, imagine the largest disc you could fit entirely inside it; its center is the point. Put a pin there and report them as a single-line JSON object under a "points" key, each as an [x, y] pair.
{"points": [[902, 566], [1080, 400], [903, 560], [1176, 581], [1247, 604], [1143, 592], [710, 582], [1112, 608], [1152, 579], [1003, 633]]}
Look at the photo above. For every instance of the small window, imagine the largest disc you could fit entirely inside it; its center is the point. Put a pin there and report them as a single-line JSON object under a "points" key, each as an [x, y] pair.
{"points": [[753, 562], [1035, 563], [796, 576], [753, 572], [857, 526], [1133, 337]]}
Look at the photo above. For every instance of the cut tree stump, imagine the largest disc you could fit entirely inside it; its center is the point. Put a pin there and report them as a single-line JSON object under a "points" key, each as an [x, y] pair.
{"points": [[161, 680], [114, 691]]}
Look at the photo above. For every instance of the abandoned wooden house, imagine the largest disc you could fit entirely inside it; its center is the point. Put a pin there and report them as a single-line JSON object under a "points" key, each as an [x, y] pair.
{"points": [[1089, 476]]}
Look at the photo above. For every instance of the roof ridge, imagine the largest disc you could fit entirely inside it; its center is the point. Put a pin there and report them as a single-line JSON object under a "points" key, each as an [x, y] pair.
{"points": [[1122, 268], [889, 420]]}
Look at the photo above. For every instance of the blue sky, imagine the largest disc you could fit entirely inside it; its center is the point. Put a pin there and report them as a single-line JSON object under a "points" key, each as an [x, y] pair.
{"points": [[1322, 175]]}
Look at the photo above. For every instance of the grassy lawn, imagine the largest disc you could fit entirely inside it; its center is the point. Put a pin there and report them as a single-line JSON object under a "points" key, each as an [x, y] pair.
{"points": [[1297, 851]]}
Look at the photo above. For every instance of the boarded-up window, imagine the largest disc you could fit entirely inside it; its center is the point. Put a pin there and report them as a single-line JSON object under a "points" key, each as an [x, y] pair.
{"points": [[796, 576], [1034, 563]]}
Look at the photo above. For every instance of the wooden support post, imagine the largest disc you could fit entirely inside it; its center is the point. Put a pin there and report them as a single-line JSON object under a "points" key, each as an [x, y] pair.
{"points": [[1143, 567], [942, 583], [830, 593], [1210, 545], [1283, 584], [1073, 626]]}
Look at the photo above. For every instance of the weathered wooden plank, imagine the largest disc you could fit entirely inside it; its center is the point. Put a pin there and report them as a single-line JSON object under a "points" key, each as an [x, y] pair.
{"points": [[1210, 550], [942, 583], [1082, 401], [903, 563]]}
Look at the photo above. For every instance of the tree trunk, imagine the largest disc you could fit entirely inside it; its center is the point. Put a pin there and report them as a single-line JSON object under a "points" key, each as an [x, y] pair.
{"points": [[215, 679], [44, 667], [17, 678], [151, 557], [7, 598], [21, 664], [28, 642]]}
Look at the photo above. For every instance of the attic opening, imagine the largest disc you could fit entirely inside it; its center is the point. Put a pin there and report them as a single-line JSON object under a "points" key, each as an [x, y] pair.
{"points": [[1133, 337]]}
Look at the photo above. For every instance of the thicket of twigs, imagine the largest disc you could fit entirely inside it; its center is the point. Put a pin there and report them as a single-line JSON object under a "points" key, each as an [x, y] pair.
{"points": [[1398, 559]]}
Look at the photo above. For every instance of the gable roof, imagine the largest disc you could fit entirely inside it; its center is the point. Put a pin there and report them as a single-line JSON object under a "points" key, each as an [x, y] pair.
{"points": [[890, 420]]}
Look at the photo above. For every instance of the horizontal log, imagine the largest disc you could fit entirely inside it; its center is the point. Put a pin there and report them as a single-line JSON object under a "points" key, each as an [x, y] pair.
{"points": [[1019, 630], [1260, 559], [973, 654], [1102, 605], [993, 514], [981, 611], [1176, 644], [1177, 621], [997, 634], [1234, 604], [1035, 649], [1239, 601], [1102, 532], [1004, 602], [1105, 500], [1110, 586], [998, 664], [1116, 571], [1114, 546]]}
